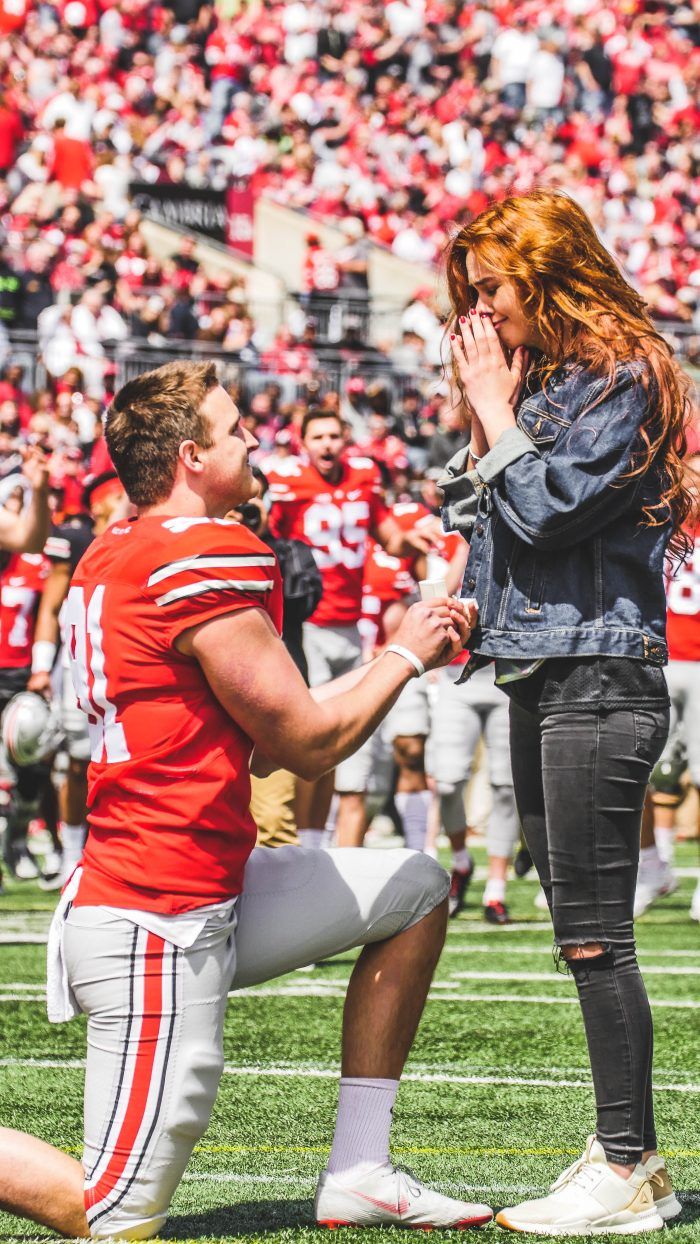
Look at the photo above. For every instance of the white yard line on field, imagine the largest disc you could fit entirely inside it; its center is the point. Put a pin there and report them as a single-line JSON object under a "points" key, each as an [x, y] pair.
{"points": [[545, 951], [647, 969], [332, 1073], [317, 989]]}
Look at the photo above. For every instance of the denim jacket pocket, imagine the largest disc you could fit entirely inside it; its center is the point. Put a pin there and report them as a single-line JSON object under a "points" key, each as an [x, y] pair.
{"points": [[541, 425]]}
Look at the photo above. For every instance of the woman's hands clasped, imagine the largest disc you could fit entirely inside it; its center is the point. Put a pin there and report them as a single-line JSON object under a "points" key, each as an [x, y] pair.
{"points": [[491, 386], [437, 630]]}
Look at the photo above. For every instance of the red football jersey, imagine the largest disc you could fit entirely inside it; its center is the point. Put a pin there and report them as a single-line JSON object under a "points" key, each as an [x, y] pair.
{"points": [[169, 786], [21, 584], [334, 520], [389, 579], [683, 600]]}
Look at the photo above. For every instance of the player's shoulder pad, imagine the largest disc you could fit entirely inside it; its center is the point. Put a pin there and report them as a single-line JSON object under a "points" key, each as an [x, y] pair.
{"points": [[205, 550], [202, 535], [404, 509], [285, 468], [361, 463]]}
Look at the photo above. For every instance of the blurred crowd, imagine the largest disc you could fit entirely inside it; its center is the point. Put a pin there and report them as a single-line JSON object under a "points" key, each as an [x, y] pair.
{"points": [[407, 433], [393, 119]]}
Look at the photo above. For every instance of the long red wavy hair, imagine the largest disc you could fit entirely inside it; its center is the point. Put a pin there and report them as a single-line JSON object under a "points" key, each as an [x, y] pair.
{"points": [[586, 312]]}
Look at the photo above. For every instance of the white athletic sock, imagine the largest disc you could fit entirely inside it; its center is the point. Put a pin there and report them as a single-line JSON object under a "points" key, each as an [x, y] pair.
{"points": [[664, 839], [413, 808], [649, 858], [72, 841], [461, 860], [311, 837], [494, 891], [361, 1139]]}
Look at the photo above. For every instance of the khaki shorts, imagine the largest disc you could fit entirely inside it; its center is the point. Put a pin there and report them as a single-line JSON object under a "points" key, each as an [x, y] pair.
{"points": [[272, 809], [156, 1011]]}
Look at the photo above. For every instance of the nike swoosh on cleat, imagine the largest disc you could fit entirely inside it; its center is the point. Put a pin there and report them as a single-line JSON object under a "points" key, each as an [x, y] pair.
{"points": [[401, 1208]]}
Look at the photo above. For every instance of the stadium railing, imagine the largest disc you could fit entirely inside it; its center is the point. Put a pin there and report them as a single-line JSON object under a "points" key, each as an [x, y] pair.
{"points": [[333, 368]]}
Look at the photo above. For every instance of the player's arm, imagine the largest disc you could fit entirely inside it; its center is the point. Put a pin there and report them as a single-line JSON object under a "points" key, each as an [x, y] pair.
{"points": [[252, 675], [400, 543], [47, 630], [27, 532]]}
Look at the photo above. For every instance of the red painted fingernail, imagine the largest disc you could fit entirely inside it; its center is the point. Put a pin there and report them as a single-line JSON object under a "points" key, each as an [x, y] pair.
{"points": [[473, 311], [462, 319], [453, 336]]}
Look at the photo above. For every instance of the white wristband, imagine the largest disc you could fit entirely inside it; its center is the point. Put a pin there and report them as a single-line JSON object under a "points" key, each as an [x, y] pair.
{"points": [[407, 656], [43, 656], [474, 457]]}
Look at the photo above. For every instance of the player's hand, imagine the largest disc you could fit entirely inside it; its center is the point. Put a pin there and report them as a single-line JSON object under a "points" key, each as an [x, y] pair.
{"points": [[41, 683], [437, 630], [427, 540], [491, 386], [35, 468]]}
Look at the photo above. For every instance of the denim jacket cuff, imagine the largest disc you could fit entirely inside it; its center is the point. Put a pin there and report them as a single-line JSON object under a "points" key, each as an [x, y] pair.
{"points": [[461, 490], [511, 445]]}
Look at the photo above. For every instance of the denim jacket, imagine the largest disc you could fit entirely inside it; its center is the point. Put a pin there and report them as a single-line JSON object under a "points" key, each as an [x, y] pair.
{"points": [[561, 563]]}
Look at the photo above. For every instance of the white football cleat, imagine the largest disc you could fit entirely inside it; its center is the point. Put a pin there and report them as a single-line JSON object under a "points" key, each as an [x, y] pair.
{"points": [[654, 881], [588, 1198], [25, 869], [665, 1199], [390, 1196]]}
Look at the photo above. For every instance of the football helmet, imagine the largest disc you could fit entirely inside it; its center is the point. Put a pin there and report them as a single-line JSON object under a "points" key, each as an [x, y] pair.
{"points": [[31, 729]]}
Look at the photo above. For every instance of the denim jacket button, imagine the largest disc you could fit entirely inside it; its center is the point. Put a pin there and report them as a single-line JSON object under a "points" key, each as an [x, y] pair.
{"points": [[471, 584], [479, 530]]}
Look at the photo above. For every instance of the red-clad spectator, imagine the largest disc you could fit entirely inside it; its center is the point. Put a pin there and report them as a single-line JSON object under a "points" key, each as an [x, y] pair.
{"points": [[72, 161], [11, 134], [321, 272], [387, 450]]}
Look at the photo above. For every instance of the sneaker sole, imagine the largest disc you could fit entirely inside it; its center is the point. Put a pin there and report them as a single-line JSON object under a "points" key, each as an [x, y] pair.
{"points": [[669, 1207], [657, 897], [650, 1221], [463, 1225]]}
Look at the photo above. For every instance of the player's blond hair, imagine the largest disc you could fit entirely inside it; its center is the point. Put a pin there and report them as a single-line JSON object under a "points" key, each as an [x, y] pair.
{"points": [[149, 419]]}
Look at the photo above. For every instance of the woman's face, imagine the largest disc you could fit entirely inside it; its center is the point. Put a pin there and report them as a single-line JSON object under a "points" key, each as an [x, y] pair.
{"points": [[498, 299]]}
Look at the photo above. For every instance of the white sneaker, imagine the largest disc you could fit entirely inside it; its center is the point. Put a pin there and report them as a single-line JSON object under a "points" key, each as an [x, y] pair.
{"points": [[653, 882], [25, 869], [695, 904], [665, 1200], [589, 1199], [388, 1196]]}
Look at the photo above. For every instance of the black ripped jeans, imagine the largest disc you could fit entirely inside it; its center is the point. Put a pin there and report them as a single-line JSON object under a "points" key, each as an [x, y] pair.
{"points": [[583, 743]]}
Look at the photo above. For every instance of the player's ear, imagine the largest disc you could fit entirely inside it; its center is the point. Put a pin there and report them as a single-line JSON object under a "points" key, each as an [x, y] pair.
{"points": [[189, 455]]}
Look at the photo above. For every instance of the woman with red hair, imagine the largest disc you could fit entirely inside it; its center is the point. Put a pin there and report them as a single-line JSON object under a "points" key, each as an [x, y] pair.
{"points": [[570, 494]]}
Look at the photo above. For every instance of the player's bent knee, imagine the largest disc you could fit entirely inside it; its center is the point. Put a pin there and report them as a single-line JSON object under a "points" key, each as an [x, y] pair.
{"points": [[418, 887], [116, 1230]]}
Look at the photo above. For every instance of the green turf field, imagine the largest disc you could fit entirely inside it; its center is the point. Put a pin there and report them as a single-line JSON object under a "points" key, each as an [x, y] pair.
{"points": [[497, 1097]]}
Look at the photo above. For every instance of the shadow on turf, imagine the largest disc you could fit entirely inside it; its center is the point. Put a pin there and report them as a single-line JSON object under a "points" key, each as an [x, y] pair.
{"points": [[256, 1218], [242, 1218]]}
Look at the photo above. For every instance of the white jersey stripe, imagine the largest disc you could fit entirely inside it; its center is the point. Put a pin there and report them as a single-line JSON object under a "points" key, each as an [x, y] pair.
{"points": [[209, 561], [215, 585]]}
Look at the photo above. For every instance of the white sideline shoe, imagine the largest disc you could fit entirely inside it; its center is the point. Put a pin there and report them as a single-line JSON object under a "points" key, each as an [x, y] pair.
{"points": [[588, 1198], [695, 904], [665, 1199], [389, 1196], [652, 883]]}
